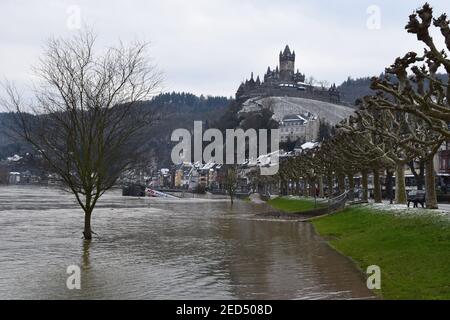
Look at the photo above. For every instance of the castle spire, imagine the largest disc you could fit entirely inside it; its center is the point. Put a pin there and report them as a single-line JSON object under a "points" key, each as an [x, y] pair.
{"points": [[287, 50]]}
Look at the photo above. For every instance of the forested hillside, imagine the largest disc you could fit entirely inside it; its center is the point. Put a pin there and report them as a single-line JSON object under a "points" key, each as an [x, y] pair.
{"points": [[353, 89], [172, 111]]}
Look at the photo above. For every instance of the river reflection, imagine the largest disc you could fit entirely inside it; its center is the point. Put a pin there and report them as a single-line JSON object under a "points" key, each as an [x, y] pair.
{"points": [[159, 249]]}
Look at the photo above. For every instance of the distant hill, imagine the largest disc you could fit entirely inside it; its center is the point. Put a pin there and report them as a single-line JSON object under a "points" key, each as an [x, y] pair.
{"points": [[353, 89], [180, 110], [283, 106], [176, 110], [9, 146]]}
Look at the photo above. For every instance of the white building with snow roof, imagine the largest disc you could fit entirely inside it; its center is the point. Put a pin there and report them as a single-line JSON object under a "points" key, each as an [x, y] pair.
{"points": [[299, 126]]}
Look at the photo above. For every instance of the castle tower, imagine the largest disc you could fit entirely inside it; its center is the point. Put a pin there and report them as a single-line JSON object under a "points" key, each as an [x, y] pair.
{"points": [[287, 64]]}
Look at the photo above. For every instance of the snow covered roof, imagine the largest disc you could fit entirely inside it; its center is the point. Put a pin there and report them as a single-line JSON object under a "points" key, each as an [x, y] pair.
{"points": [[266, 159], [14, 158], [208, 166], [252, 162], [309, 145], [293, 117], [287, 85]]}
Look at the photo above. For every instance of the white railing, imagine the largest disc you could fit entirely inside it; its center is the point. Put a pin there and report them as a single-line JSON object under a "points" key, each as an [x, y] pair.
{"points": [[338, 202]]}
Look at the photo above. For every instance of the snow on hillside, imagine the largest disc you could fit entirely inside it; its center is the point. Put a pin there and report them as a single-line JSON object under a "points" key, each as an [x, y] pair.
{"points": [[282, 106]]}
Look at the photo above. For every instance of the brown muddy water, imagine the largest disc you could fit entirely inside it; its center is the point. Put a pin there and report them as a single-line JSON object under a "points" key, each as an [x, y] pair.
{"points": [[163, 249]]}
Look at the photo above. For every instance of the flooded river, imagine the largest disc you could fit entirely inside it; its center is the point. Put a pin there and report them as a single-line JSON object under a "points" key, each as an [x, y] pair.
{"points": [[163, 249]]}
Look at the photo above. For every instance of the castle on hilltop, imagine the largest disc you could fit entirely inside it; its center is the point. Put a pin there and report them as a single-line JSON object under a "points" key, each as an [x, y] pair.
{"points": [[284, 81]]}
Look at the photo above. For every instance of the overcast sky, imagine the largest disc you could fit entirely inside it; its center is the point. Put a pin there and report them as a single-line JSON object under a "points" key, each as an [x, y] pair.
{"points": [[210, 46]]}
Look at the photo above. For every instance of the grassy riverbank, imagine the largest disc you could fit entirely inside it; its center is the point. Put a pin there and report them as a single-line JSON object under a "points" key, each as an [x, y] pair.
{"points": [[294, 205], [413, 251]]}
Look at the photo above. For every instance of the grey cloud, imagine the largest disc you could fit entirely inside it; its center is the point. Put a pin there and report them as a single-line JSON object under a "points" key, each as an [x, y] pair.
{"points": [[209, 46]]}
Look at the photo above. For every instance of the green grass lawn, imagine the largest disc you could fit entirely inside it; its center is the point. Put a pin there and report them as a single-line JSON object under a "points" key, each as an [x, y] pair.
{"points": [[293, 205], [413, 252]]}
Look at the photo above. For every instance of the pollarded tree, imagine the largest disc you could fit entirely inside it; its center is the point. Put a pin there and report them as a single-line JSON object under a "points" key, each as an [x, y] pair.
{"points": [[86, 119], [355, 156], [338, 162], [411, 138], [326, 164], [289, 174], [305, 167], [379, 135], [418, 88], [425, 93]]}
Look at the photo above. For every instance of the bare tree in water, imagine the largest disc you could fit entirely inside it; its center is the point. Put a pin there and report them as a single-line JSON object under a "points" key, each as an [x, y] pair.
{"points": [[86, 118], [231, 181]]}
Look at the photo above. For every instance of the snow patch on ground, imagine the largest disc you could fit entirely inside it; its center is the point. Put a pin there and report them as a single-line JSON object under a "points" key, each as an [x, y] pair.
{"points": [[305, 198], [404, 210], [256, 198], [283, 106]]}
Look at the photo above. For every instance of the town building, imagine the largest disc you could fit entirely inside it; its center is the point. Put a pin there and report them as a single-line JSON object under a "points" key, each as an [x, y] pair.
{"points": [[442, 167], [296, 127], [14, 178], [182, 174]]}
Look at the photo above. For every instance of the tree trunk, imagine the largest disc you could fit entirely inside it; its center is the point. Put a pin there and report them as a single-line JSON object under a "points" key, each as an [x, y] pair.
{"points": [[400, 187], [314, 187], [87, 233], [311, 188], [321, 192], [341, 183], [351, 185], [389, 186], [430, 185], [420, 177], [365, 185], [305, 188], [330, 185], [376, 185]]}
